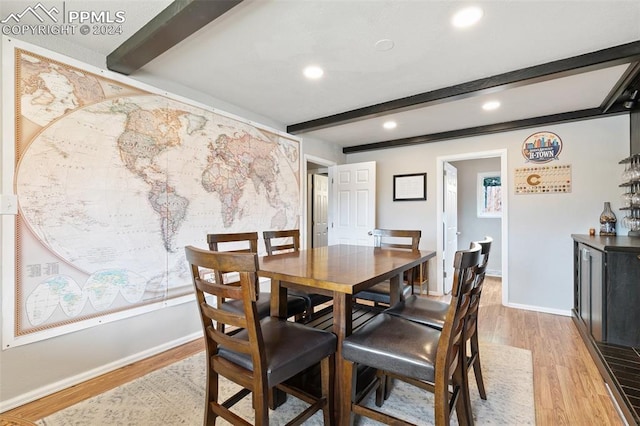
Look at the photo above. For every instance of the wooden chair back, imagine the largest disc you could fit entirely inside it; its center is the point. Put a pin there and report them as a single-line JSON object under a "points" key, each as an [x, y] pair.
{"points": [[281, 241], [243, 242], [442, 351], [212, 317], [277, 242], [247, 357], [246, 290], [403, 239], [476, 291], [451, 347], [248, 241], [392, 237]]}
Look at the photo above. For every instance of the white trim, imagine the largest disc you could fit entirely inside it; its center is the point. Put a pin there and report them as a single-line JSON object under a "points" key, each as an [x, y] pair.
{"points": [[88, 375], [440, 160], [541, 309], [7, 222]]}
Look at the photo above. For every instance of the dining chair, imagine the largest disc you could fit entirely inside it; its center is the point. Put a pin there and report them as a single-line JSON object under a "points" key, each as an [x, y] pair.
{"points": [[247, 242], [400, 239], [278, 242], [421, 356], [433, 314], [265, 353]]}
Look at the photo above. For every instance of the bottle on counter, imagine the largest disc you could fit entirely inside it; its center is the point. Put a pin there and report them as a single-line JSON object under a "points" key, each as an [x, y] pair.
{"points": [[607, 220]]}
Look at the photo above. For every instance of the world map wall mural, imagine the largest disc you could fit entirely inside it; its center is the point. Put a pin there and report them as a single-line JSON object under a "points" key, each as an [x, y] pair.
{"points": [[113, 181]]}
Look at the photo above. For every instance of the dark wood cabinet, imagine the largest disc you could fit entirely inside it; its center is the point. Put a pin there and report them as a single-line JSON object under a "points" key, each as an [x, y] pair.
{"points": [[606, 312], [590, 301], [623, 301], [607, 287]]}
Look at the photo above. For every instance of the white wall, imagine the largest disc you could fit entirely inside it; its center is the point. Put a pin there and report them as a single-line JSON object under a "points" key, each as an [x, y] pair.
{"points": [[31, 371], [540, 226], [470, 226]]}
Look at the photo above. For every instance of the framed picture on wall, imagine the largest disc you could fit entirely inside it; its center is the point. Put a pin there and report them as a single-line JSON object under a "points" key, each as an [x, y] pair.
{"points": [[410, 187]]}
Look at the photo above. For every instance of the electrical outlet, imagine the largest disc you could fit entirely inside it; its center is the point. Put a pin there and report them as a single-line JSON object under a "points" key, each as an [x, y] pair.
{"points": [[8, 204]]}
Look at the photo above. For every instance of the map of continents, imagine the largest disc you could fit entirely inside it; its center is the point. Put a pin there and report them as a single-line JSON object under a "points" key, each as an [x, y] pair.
{"points": [[118, 187]]}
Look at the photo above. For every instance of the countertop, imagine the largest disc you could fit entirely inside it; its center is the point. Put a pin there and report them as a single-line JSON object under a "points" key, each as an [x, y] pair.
{"points": [[617, 243]]}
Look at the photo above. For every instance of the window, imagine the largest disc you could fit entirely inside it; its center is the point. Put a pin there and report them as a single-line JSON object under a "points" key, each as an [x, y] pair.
{"points": [[489, 195]]}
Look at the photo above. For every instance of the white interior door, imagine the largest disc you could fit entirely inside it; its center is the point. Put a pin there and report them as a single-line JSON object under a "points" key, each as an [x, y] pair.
{"points": [[320, 213], [450, 223], [353, 203]]}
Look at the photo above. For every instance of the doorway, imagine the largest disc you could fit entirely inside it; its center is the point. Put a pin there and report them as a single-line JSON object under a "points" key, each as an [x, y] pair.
{"points": [[315, 208], [441, 164], [449, 224], [348, 213]]}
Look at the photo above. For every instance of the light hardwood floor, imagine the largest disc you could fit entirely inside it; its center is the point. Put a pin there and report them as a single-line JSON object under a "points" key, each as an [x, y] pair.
{"points": [[567, 385]]}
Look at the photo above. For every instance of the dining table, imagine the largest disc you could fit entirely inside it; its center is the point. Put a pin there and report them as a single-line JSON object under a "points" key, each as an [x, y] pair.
{"points": [[340, 271]]}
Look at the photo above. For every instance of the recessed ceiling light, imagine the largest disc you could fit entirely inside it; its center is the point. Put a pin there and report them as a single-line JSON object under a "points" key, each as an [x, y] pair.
{"points": [[491, 105], [384, 45], [313, 72], [390, 125], [466, 17]]}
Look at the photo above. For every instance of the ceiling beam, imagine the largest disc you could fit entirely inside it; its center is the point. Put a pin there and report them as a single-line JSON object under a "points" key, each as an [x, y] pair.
{"points": [[175, 23], [488, 129], [565, 67], [625, 83]]}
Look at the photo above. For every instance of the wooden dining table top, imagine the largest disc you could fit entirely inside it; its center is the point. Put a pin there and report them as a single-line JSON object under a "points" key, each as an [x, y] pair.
{"points": [[341, 268]]}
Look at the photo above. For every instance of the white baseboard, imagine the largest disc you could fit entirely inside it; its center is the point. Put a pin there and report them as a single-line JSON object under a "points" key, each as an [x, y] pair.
{"points": [[565, 313], [87, 375]]}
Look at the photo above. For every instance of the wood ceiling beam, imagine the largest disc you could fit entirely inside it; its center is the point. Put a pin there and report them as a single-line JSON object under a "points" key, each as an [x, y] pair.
{"points": [[175, 23], [488, 129], [600, 59], [625, 83]]}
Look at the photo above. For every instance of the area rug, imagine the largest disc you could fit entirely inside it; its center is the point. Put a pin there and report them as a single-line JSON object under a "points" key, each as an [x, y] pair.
{"points": [[174, 395]]}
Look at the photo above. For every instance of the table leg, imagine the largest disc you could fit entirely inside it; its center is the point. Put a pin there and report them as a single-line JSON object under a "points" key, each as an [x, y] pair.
{"points": [[278, 309], [278, 299], [342, 327], [395, 288]]}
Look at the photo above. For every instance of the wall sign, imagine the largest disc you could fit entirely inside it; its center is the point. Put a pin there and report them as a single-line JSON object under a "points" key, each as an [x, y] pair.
{"points": [[543, 179], [542, 147]]}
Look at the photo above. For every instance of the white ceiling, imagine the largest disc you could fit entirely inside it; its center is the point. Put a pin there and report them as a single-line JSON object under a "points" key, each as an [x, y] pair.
{"points": [[253, 57]]}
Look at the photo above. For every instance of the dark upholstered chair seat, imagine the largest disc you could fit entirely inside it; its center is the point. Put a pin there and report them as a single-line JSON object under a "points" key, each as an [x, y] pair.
{"points": [[396, 345], [288, 346], [296, 305], [379, 293], [424, 311]]}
